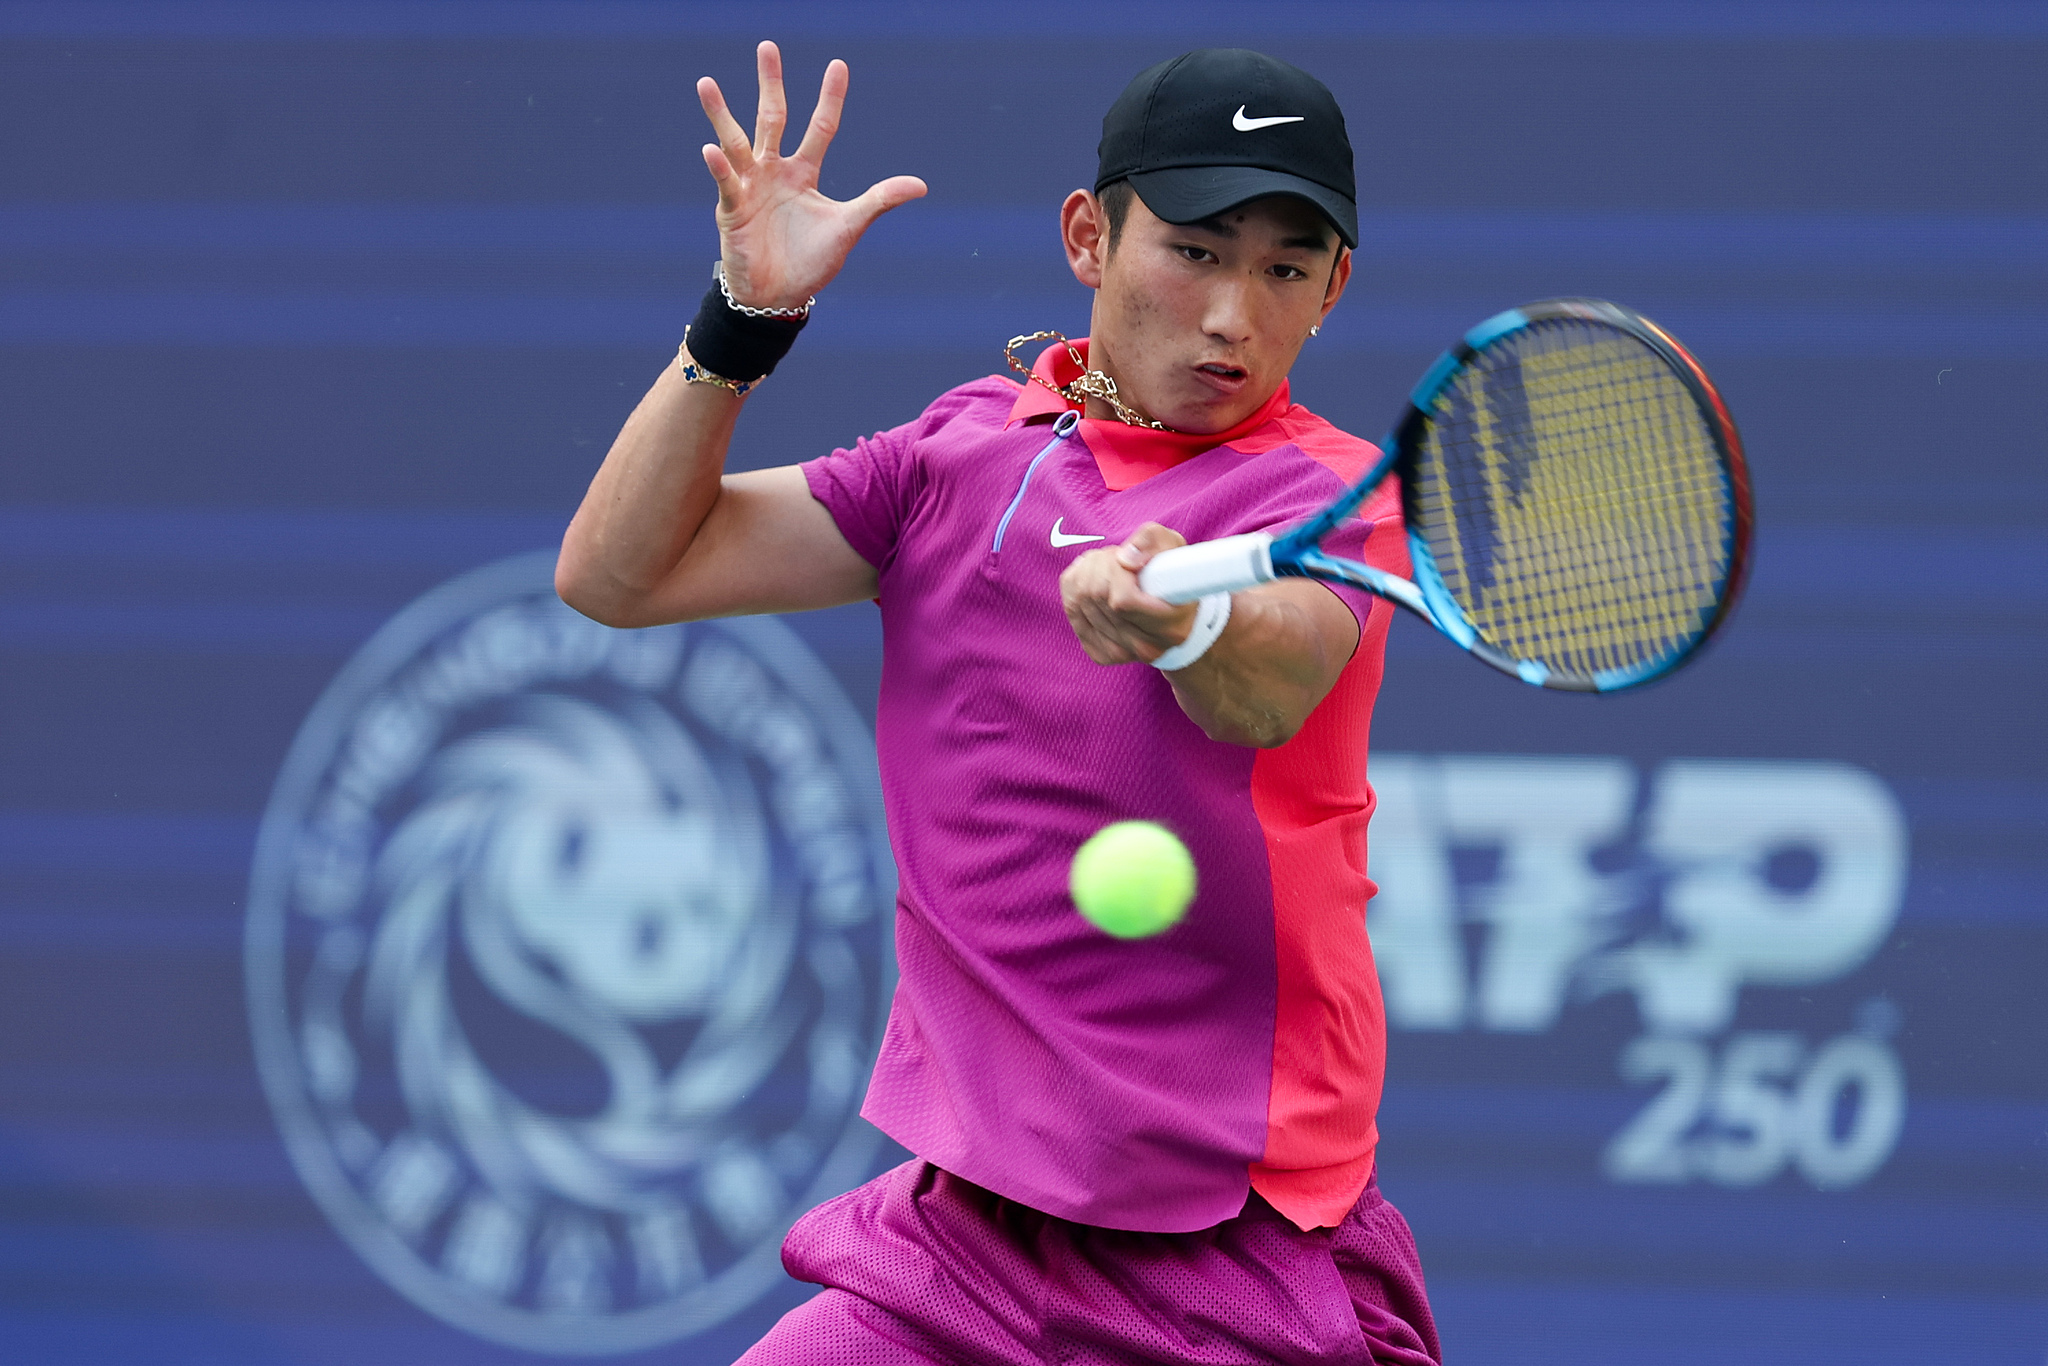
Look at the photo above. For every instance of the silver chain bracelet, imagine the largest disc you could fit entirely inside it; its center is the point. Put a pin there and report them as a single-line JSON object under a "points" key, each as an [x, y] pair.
{"points": [[788, 314]]}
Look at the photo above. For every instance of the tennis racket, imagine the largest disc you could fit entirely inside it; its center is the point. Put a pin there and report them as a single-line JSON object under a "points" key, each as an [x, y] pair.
{"points": [[1575, 495]]}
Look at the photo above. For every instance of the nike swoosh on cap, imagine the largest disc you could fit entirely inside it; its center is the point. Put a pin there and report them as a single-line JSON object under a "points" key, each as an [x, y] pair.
{"points": [[1245, 125], [1060, 538]]}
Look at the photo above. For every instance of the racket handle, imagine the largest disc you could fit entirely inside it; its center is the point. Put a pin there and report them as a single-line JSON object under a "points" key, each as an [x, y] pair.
{"points": [[1193, 571]]}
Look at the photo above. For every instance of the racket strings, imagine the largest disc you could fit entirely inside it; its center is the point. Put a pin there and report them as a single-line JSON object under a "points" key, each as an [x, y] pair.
{"points": [[1572, 494]]}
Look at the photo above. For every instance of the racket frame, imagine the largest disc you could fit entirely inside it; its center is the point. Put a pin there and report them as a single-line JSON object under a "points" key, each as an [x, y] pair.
{"points": [[1298, 554]]}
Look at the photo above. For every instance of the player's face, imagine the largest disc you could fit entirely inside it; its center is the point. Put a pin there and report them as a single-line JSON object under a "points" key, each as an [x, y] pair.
{"points": [[1199, 323]]}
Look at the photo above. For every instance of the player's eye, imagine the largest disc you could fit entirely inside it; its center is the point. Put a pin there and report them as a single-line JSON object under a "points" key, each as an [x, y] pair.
{"points": [[1287, 272], [1194, 253]]}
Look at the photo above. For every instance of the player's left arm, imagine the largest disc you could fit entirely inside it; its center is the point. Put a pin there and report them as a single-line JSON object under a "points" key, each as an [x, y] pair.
{"points": [[1279, 656]]}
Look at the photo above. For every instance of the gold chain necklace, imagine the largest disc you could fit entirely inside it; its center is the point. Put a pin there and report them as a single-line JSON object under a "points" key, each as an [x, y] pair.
{"points": [[1090, 383]]}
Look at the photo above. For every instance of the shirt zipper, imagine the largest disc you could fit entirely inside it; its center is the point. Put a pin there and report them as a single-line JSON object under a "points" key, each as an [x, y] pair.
{"points": [[1061, 430]]}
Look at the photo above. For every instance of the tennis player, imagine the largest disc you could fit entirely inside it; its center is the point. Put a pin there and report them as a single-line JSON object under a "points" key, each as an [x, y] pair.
{"points": [[1127, 1151]]}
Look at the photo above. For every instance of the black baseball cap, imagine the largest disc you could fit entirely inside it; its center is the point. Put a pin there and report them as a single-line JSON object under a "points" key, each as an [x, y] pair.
{"points": [[1221, 126]]}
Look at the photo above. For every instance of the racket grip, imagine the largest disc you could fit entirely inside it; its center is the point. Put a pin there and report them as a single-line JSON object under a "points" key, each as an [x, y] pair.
{"points": [[1193, 571]]}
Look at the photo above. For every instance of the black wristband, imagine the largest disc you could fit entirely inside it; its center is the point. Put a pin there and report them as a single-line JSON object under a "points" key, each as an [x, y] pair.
{"points": [[728, 342]]}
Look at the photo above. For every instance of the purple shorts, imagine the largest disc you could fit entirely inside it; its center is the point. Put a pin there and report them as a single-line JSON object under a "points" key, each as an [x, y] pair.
{"points": [[921, 1268]]}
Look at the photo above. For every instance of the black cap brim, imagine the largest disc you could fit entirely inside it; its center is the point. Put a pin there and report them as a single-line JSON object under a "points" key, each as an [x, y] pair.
{"points": [[1188, 194]]}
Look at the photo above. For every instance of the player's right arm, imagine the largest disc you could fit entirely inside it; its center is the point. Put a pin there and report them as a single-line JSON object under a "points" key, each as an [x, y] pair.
{"points": [[663, 534]]}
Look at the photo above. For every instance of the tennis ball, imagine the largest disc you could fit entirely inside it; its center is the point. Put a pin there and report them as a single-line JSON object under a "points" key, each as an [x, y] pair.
{"points": [[1133, 879]]}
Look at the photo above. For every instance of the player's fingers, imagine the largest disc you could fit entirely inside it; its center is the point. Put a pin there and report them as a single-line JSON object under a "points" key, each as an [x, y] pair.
{"points": [[721, 172], [883, 196], [1147, 541], [1089, 639], [1122, 640], [824, 125], [1083, 627], [1079, 584], [1103, 644], [1125, 594], [732, 139], [1089, 578], [1098, 630], [1140, 609], [1107, 594], [772, 112]]}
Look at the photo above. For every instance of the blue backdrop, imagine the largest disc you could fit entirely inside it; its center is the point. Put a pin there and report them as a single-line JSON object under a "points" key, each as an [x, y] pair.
{"points": [[1717, 1019]]}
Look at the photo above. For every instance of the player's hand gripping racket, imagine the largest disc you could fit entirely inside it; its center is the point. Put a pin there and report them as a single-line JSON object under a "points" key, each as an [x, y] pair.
{"points": [[1575, 496]]}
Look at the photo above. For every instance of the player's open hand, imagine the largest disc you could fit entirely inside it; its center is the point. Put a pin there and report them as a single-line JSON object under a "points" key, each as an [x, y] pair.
{"points": [[1116, 621], [782, 240]]}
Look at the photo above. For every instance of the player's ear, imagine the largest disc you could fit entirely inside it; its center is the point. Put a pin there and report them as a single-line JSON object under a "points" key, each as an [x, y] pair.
{"points": [[1340, 276], [1084, 228]]}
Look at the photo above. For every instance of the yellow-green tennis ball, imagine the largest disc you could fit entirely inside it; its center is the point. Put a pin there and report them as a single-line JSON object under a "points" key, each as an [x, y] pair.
{"points": [[1133, 879]]}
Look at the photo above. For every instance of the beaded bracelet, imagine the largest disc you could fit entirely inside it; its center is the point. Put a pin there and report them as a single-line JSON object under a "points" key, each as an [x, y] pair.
{"points": [[696, 374]]}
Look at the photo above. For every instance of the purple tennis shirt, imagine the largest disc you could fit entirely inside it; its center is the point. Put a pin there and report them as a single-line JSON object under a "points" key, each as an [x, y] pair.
{"points": [[1131, 1084]]}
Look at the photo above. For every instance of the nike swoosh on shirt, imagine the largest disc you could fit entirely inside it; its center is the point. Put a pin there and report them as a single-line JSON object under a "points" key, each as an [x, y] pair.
{"points": [[1060, 538], [1245, 125]]}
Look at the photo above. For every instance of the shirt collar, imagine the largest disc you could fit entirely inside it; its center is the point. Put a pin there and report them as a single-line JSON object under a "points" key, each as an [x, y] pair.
{"points": [[1128, 454]]}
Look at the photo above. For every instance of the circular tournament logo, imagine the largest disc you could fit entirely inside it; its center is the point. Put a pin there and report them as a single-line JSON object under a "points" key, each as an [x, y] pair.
{"points": [[568, 952]]}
